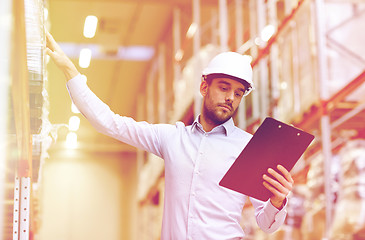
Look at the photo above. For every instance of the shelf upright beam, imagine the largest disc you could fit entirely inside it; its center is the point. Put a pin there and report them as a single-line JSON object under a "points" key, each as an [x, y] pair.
{"points": [[162, 104], [196, 48], [223, 25], [176, 36], [24, 211], [319, 9], [20, 91], [20, 97], [239, 41], [273, 58], [254, 52], [16, 208]]}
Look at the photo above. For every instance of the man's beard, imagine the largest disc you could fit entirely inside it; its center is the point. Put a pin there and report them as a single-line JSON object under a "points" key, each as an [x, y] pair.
{"points": [[211, 113]]}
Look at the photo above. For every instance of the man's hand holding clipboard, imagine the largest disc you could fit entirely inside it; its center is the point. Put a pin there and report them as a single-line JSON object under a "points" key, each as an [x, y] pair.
{"points": [[280, 185], [262, 169]]}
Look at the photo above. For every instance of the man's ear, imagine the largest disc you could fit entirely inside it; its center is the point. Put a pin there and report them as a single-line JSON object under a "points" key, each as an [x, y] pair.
{"points": [[204, 88]]}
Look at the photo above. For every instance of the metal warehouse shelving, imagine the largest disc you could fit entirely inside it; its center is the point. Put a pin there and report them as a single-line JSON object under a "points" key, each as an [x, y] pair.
{"points": [[334, 115], [24, 119]]}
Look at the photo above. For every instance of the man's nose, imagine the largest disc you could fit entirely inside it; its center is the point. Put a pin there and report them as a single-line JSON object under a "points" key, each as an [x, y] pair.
{"points": [[230, 96]]}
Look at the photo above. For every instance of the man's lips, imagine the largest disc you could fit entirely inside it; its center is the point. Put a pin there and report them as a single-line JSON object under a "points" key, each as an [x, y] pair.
{"points": [[227, 107]]}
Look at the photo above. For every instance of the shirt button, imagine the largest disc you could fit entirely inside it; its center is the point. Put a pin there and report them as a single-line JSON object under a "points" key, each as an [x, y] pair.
{"points": [[193, 194]]}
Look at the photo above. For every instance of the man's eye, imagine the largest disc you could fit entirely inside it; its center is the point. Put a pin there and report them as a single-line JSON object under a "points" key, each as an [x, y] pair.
{"points": [[239, 94]]}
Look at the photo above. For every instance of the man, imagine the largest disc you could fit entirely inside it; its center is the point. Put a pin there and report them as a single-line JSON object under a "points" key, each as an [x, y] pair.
{"points": [[197, 156]]}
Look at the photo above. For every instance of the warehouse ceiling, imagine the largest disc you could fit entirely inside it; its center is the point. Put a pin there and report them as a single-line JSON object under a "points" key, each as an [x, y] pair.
{"points": [[116, 78]]}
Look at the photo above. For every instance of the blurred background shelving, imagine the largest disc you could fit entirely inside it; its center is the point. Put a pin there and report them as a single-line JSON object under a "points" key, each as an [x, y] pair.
{"points": [[146, 62]]}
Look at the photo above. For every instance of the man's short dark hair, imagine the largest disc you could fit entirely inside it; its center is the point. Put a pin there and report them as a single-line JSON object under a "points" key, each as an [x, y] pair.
{"points": [[210, 77]]}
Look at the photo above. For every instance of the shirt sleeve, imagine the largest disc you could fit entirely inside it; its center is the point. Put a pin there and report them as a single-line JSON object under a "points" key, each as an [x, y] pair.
{"points": [[268, 217], [138, 134]]}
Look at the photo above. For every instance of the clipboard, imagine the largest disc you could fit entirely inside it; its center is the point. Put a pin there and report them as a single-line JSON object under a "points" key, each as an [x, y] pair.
{"points": [[273, 143]]}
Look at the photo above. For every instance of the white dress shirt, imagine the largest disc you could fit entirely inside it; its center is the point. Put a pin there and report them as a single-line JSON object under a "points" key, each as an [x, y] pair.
{"points": [[195, 206]]}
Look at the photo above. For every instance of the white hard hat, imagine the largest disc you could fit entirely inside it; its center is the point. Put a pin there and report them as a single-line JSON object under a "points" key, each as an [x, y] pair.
{"points": [[233, 65]]}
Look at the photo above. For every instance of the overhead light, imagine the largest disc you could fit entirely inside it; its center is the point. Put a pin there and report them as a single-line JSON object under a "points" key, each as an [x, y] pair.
{"points": [[179, 55], [258, 41], [91, 23], [192, 30], [130, 53], [136, 53], [45, 13], [283, 85], [71, 140], [267, 32], [85, 58], [74, 123]]}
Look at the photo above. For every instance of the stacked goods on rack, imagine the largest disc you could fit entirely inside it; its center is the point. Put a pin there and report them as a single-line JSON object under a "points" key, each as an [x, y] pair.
{"points": [[349, 218], [298, 84], [249, 225], [40, 126], [34, 42], [313, 225], [291, 230], [296, 212]]}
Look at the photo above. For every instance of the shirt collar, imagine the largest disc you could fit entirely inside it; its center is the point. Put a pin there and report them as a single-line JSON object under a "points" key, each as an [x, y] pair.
{"points": [[227, 126]]}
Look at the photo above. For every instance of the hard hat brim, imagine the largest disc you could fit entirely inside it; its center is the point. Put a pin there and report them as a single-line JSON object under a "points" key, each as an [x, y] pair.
{"points": [[246, 84]]}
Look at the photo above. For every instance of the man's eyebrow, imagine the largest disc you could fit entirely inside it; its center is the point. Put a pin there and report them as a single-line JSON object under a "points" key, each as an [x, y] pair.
{"points": [[225, 82], [242, 90]]}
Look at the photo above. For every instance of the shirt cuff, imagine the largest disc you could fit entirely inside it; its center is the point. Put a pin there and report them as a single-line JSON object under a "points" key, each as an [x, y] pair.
{"points": [[278, 214], [77, 82]]}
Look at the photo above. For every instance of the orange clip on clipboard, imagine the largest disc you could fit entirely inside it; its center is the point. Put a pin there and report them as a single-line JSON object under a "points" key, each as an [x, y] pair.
{"points": [[273, 143]]}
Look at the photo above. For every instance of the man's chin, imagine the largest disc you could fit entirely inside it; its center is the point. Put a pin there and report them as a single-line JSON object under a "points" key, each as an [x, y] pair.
{"points": [[223, 117], [218, 116]]}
